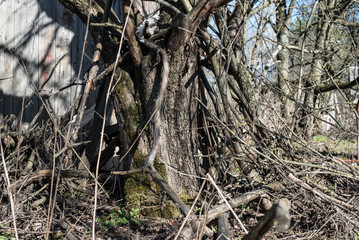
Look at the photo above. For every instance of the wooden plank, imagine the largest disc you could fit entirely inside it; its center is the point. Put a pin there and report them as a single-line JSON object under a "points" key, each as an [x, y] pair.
{"points": [[39, 34], [8, 29], [76, 52], [3, 17], [47, 45], [33, 55], [64, 71], [19, 83]]}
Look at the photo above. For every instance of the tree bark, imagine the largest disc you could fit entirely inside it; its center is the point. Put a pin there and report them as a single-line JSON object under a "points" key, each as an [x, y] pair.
{"points": [[137, 88], [316, 71], [283, 22]]}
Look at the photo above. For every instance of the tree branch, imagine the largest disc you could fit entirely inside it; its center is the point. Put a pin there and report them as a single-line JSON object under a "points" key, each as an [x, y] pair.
{"points": [[161, 95], [278, 216], [334, 86], [185, 25], [202, 10], [92, 72], [135, 49]]}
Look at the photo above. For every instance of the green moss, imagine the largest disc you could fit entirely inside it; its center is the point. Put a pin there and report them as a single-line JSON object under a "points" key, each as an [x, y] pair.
{"points": [[142, 192], [170, 211], [131, 109], [57, 236], [161, 168], [185, 197], [319, 138]]}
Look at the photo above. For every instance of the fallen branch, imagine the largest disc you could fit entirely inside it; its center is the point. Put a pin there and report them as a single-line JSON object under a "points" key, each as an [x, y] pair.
{"points": [[48, 173], [223, 227], [157, 178], [245, 198], [278, 217], [322, 195], [225, 200], [188, 214], [196, 224], [126, 172], [69, 229]]}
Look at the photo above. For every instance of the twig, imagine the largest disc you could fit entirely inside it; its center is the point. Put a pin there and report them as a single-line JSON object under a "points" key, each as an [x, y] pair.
{"points": [[107, 9], [321, 227], [131, 171], [81, 160], [108, 70], [168, 5], [107, 24], [12, 204], [92, 72], [329, 170], [52, 199], [37, 91], [68, 229], [322, 195], [70, 146], [35, 194], [190, 211], [47, 173], [225, 200]]}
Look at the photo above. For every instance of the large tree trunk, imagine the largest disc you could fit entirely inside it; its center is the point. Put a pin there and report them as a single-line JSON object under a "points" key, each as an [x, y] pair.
{"points": [[178, 130], [137, 88], [179, 125]]}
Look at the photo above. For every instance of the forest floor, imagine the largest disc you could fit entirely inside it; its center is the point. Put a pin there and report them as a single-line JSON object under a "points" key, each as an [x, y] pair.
{"points": [[320, 179]]}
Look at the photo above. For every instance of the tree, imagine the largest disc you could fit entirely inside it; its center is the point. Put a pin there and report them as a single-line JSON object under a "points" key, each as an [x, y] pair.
{"points": [[141, 82], [326, 62], [161, 77], [282, 31]]}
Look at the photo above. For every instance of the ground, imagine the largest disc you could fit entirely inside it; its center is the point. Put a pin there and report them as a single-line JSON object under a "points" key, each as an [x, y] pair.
{"points": [[323, 200]]}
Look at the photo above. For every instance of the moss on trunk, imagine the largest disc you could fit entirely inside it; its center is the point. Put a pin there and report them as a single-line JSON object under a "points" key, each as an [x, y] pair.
{"points": [[142, 192]]}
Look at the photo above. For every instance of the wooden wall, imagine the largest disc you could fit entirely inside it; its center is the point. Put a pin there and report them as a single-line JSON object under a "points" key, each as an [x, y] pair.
{"points": [[34, 36]]}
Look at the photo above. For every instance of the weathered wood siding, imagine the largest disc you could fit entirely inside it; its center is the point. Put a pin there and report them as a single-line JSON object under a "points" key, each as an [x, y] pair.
{"points": [[34, 36]]}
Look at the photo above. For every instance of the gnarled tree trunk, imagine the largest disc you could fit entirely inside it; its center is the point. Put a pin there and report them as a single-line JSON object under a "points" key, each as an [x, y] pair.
{"points": [[138, 81]]}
